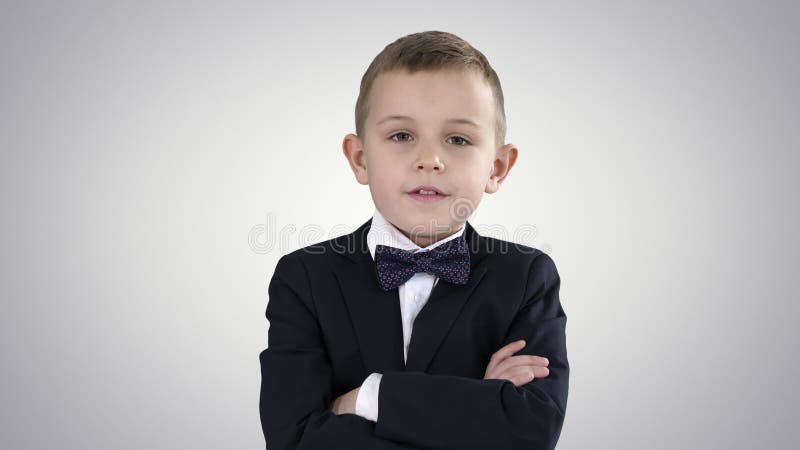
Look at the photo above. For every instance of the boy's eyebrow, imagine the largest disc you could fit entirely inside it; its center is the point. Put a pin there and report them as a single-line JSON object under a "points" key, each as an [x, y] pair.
{"points": [[454, 120]]}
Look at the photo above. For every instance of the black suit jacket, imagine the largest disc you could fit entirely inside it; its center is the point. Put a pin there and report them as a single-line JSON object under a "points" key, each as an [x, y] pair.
{"points": [[331, 325]]}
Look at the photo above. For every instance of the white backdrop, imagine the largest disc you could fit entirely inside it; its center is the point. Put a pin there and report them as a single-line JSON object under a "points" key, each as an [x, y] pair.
{"points": [[159, 157]]}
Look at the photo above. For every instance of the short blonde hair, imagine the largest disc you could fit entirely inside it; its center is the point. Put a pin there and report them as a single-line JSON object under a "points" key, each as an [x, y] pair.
{"points": [[431, 50]]}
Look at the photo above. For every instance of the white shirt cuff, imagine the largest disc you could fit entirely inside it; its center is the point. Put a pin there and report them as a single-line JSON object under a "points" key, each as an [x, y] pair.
{"points": [[367, 399]]}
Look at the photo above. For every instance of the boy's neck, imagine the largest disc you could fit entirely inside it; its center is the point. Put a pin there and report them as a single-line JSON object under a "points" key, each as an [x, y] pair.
{"points": [[424, 241], [419, 239]]}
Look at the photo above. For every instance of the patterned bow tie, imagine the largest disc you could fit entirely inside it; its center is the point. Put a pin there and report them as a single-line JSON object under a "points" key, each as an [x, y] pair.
{"points": [[449, 261]]}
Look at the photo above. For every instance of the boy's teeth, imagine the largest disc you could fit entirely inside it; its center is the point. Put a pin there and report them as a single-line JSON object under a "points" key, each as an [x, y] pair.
{"points": [[423, 191]]}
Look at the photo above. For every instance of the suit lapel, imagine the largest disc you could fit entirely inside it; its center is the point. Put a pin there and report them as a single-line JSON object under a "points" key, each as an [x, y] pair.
{"points": [[436, 318], [376, 313]]}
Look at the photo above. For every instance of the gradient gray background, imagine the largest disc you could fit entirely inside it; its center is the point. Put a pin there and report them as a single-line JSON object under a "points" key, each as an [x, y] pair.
{"points": [[158, 158]]}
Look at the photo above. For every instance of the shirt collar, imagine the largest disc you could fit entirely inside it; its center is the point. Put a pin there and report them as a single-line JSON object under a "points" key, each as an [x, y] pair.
{"points": [[383, 232]]}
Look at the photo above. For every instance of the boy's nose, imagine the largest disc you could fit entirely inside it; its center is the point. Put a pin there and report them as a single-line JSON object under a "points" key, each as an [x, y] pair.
{"points": [[429, 161]]}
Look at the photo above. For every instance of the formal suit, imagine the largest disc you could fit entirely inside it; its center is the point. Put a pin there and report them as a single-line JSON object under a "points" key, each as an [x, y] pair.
{"points": [[331, 325]]}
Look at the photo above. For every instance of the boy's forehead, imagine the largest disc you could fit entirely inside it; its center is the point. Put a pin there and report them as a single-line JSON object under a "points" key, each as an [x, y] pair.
{"points": [[422, 94]]}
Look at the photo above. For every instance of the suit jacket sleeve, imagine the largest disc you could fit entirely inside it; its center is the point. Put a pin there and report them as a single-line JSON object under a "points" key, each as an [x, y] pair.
{"points": [[453, 412], [296, 377]]}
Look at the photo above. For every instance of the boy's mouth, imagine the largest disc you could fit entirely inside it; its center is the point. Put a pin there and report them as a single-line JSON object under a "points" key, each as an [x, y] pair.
{"points": [[427, 193], [426, 190]]}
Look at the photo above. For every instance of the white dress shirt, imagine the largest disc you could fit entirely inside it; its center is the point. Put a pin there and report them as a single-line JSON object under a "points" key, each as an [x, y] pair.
{"points": [[414, 294]]}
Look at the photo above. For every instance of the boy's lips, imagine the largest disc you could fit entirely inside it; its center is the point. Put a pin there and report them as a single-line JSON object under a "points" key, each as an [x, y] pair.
{"points": [[427, 188], [427, 194]]}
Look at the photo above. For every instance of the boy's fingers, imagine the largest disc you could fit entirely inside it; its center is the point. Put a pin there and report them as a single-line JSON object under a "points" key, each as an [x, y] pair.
{"points": [[504, 352], [520, 380], [516, 375], [521, 360], [525, 374], [538, 372]]}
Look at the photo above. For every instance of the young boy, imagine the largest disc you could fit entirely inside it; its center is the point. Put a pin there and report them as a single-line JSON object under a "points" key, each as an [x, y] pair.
{"points": [[486, 365]]}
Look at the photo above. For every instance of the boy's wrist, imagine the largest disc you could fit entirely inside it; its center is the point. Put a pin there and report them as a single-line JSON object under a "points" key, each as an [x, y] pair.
{"points": [[367, 398]]}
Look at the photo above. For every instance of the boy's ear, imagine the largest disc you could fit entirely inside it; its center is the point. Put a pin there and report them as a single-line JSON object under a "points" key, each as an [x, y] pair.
{"points": [[354, 152], [504, 160]]}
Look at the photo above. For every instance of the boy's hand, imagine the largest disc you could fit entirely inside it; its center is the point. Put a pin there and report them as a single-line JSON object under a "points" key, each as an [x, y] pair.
{"points": [[520, 369], [345, 403]]}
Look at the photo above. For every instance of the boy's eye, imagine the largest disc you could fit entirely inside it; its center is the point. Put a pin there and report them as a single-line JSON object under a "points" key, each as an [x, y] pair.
{"points": [[401, 134], [460, 140]]}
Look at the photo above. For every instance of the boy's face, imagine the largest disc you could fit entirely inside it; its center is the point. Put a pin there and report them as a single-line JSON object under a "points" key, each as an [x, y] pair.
{"points": [[416, 134]]}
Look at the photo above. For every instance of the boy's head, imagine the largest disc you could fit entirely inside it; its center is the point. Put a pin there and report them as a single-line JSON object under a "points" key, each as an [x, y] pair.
{"points": [[430, 113]]}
